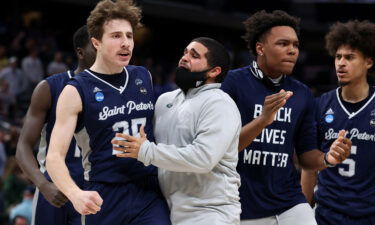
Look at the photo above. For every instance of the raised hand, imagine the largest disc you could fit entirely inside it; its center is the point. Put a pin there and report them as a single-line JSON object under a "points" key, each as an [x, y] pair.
{"points": [[272, 103], [340, 149]]}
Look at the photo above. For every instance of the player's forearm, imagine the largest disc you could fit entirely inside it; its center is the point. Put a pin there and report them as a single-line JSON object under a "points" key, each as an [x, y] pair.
{"points": [[312, 160], [308, 182], [59, 174], [250, 131], [29, 165]]}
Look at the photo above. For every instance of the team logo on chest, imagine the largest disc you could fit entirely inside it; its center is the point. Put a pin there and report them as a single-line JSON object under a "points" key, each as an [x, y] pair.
{"points": [[372, 120], [329, 116], [99, 96], [143, 90]]}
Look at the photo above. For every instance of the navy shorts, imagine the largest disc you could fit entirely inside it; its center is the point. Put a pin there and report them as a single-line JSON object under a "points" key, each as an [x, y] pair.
{"points": [[136, 203], [327, 216], [44, 213]]}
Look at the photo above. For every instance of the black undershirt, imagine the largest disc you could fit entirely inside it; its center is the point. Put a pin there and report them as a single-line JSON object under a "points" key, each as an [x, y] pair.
{"points": [[354, 107], [117, 79]]}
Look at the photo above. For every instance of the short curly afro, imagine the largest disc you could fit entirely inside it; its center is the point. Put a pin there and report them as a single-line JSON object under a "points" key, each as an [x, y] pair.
{"points": [[261, 22], [356, 34]]}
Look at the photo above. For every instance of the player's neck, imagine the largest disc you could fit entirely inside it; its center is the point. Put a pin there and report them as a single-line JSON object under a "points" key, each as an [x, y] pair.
{"points": [[105, 67], [355, 92], [267, 71]]}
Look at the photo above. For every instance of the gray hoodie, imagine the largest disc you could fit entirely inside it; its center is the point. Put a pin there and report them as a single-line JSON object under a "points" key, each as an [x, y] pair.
{"points": [[197, 155]]}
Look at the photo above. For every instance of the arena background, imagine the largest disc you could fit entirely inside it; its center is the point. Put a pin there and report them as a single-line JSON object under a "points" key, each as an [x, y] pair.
{"points": [[48, 26]]}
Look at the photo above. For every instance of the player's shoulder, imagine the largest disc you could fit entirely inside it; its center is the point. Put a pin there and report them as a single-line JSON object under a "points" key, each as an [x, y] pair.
{"points": [[61, 76], [136, 69], [239, 72], [293, 81]]}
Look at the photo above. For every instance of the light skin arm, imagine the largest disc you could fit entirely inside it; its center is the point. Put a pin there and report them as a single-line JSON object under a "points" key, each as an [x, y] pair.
{"points": [[30, 134], [308, 182], [272, 104], [69, 106], [338, 152]]}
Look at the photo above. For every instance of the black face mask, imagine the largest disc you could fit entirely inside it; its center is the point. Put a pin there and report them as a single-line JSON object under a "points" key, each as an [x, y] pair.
{"points": [[185, 79]]}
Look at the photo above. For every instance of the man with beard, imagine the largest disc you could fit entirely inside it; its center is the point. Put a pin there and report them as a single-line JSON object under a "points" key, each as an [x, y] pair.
{"points": [[346, 193], [270, 191], [196, 130]]}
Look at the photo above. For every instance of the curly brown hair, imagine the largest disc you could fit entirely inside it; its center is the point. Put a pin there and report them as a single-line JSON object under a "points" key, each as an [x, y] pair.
{"points": [[259, 24], [107, 10], [356, 34]]}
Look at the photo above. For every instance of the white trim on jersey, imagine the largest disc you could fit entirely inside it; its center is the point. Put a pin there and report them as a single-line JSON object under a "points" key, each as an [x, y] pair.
{"points": [[122, 89], [42, 149], [351, 115], [69, 74]]}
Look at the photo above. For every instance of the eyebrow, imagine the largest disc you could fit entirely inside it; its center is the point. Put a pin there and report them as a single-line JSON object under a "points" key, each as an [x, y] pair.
{"points": [[195, 51]]}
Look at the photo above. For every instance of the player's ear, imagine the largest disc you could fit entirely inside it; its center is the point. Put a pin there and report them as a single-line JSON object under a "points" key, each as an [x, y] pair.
{"points": [[95, 42], [369, 62], [80, 53], [259, 48]]}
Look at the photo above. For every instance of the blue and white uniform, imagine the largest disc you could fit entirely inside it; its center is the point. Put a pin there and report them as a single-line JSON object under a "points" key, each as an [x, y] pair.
{"points": [[129, 189], [270, 183], [346, 193], [43, 211]]}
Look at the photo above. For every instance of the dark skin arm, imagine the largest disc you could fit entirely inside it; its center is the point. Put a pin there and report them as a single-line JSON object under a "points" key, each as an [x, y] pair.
{"points": [[30, 134], [272, 104], [308, 182], [338, 152]]}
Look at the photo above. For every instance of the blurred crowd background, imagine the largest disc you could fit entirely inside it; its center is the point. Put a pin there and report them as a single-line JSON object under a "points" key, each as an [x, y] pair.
{"points": [[36, 42]]}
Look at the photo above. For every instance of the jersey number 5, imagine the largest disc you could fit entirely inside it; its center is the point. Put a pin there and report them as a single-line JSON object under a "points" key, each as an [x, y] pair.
{"points": [[351, 164], [135, 125]]}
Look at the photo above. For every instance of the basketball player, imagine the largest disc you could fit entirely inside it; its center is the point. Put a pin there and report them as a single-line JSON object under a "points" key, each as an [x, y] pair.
{"points": [[50, 205], [110, 97], [270, 191], [346, 192]]}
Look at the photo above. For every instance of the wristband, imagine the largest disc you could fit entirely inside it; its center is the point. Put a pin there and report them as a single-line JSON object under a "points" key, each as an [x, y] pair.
{"points": [[326, 163]]}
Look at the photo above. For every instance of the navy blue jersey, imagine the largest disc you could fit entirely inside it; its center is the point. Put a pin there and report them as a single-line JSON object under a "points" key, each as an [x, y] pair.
{"points": [[108, 110], [348, 188], [269, 181], [73, 158]]}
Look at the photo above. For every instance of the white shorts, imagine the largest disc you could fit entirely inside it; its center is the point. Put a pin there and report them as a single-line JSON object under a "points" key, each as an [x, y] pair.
{"points": [[301, 214]]}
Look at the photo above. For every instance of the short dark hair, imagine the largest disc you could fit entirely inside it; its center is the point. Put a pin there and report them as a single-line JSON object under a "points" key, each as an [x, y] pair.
{"points": [[107, 10], [261, 22], [81, 38], [356, 34], [217, 55]]}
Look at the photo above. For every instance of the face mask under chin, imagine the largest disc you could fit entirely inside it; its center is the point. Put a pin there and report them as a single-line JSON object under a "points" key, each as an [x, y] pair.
{"points": [[185, 79]]}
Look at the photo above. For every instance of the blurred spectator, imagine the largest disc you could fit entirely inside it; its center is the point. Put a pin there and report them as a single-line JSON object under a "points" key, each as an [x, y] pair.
{"points": [[24, 209], [19, 220], [6, 99], [3, 156], [3, 57], [14, 183], [33, 67], [57, 65], [15, 77]]}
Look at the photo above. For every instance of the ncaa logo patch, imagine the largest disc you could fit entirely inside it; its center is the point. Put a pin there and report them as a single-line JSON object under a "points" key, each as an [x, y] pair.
{"points": [[329, 118], [372, 122], [373, 112], [99, 96], [138, 81]]}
